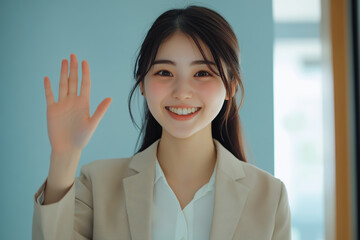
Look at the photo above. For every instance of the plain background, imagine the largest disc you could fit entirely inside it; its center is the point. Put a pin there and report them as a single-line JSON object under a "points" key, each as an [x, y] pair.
{"points": [[36, 35]]}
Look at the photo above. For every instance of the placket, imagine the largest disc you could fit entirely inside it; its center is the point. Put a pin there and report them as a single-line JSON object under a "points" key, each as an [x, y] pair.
{"points": [[181, 230]]}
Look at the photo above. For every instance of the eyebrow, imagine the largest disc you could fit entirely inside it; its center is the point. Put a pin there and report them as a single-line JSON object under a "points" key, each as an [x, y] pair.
{"points": [[196, 62]]}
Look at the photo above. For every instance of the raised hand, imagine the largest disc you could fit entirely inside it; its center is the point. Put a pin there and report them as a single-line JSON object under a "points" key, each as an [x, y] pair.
{"points": [[70, 126]]}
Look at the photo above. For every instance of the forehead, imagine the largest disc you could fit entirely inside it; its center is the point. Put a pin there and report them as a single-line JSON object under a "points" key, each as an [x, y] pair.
{"points": [[181, 47]]}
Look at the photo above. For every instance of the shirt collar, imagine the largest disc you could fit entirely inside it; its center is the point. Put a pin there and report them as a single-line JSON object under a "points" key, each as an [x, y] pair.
{"points": [[158, 171]]}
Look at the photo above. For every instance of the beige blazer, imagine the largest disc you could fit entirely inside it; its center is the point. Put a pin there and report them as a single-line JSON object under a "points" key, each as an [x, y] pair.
{"points": [[112, 199]]}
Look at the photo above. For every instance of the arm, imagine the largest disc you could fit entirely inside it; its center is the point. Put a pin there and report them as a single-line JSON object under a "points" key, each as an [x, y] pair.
{"points": [[69, 218], [66, 213], [282, 229]]}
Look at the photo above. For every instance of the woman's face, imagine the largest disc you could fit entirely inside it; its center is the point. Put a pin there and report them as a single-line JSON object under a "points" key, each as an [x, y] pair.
{"points": [[179, 80]]}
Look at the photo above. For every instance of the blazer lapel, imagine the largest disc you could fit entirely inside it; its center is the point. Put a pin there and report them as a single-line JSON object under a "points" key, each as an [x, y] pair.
{"points": [[230, 194], [138, 190]]}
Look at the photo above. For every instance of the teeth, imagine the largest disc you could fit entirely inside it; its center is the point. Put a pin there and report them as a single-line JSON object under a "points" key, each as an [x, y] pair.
{"points": [[183, 111]]}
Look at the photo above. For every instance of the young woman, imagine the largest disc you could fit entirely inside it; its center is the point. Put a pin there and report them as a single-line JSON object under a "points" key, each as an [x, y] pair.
{"points": [[190, 178]]}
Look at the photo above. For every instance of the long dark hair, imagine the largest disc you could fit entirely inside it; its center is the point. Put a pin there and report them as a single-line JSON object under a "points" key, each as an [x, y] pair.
{"points": [[212, 29]]}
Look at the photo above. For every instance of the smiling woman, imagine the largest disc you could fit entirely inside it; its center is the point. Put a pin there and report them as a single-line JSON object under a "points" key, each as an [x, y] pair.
{"points": [[182, 88], [190, 178]]}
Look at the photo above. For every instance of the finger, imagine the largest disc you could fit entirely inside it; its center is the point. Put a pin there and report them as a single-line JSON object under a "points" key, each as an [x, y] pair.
{"points": [[100, 111], [48, 92], [85, 82], [73, 79], [63, 85]]}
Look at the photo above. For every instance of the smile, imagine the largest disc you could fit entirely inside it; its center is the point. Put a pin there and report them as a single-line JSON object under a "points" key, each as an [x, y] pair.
{"points": [[183, 111], [182, 114]]}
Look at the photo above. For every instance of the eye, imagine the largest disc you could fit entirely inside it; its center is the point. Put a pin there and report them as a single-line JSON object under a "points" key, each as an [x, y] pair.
{"points": [[203, 74], [164, 73]]}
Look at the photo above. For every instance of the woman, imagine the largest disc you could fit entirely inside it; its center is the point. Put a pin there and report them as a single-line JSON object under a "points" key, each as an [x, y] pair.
{"points": [[190, 178]]}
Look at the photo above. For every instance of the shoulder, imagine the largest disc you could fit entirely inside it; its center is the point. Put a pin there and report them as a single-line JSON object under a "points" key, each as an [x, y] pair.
{"points": [[108, 163], [267, 199], [261, 181], [265, 191], [253, 172], [249, 175], [113, 170], [106, 169]]}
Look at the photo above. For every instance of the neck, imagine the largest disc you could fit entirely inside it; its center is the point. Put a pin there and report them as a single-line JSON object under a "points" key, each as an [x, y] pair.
{"points": [[189, 159]]}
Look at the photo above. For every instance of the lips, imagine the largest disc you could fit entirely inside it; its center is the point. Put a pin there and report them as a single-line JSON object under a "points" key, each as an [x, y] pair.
{"points": [[183, 111], [182, 117]]}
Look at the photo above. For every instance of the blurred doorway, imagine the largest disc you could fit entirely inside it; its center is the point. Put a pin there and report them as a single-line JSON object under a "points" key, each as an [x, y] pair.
{"points": [[298, 114], [317, 114]]}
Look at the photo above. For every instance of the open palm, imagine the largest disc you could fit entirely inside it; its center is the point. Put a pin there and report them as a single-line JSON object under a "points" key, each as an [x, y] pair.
{"points": [[70, 126]]}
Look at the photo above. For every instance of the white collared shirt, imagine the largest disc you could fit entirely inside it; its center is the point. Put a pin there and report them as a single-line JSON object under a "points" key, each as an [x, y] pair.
{"points": [[169, 222]]}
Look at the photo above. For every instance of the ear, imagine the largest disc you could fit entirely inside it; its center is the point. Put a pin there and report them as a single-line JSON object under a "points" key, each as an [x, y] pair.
{"points": [[142, 88]]}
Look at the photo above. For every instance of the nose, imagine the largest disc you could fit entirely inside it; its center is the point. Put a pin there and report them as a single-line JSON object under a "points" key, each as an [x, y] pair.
{"points": [[182, 89]]}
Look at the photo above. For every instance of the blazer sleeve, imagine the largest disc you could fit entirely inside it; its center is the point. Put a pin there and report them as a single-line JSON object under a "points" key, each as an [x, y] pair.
{"points": [[282, 229], [70, 218]]}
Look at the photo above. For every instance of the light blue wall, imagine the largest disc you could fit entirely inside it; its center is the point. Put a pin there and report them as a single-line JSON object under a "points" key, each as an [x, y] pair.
{"points": [[36, 35]]}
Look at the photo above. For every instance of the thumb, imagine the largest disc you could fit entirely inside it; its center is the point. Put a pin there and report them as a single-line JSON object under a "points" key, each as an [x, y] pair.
{"points": [[100, 111]]}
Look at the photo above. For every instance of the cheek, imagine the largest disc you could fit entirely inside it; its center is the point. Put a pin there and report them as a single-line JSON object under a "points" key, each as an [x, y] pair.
{"points": [[213, 91], [155, 90], [213, 96]]}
